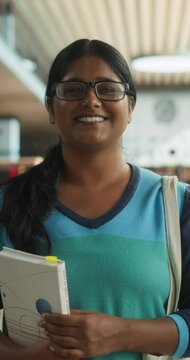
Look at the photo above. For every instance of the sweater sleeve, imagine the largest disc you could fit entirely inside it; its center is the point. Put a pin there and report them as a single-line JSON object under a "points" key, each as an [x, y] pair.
{"points": [[182, 316]]}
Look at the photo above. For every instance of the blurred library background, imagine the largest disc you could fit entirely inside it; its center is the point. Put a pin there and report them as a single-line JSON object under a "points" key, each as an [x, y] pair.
{"points": [[153, 36]]}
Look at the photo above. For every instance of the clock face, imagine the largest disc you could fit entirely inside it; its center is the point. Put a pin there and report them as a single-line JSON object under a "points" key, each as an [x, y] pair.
{"points": [[165, 110]]}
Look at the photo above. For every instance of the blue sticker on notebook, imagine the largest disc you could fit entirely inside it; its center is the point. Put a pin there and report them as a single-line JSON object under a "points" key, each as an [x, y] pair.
{"points": [[43, 306]]}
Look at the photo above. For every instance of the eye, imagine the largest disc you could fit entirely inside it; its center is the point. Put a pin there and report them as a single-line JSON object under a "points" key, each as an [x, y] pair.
{"points": [[111, 90], [107, 89], [72, 89]]}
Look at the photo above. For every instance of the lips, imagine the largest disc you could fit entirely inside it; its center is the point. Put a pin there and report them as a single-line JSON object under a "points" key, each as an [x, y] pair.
{"points": [[90, 119]]}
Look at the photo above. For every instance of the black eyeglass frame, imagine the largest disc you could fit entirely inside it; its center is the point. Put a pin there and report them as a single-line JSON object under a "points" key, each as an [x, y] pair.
{"points": [[92, 85]]}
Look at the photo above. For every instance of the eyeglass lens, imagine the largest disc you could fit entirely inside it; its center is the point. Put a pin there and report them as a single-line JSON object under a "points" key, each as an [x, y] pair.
{"points": [[110, 90], [77, 90]]}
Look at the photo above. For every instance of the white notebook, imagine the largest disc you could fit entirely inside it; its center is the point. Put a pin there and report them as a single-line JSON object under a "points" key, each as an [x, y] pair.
{"points": [[31, 285]]}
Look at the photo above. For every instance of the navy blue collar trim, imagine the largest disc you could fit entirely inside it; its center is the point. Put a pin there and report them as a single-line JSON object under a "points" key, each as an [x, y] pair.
{"points": [[101, 220]]}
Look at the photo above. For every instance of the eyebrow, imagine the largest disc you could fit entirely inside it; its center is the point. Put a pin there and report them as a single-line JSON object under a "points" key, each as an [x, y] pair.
{"points": [[98, 79]]}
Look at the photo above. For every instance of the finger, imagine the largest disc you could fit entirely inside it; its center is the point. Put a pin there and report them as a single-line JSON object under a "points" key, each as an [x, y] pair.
{"points": [[66, 353], [81, 312], [61, 330], [65, 341], [62, 320]]}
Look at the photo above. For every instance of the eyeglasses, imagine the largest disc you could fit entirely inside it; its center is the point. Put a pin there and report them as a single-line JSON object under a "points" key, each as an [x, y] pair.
{"points": [[104, 90]]}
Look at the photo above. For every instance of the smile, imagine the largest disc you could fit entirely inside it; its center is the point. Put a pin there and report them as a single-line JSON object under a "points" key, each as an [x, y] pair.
{"points": [[90, 119]]}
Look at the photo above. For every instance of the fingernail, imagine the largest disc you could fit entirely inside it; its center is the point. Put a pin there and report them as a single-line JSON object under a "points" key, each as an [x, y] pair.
{"points": [[51, 348]]}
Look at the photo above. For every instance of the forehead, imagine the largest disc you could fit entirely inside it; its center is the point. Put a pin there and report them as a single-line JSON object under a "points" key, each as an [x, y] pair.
{"points": [[90, 68]]}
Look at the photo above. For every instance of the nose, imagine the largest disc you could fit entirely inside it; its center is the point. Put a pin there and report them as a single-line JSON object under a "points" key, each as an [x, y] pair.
{"points": [[90, 98]]}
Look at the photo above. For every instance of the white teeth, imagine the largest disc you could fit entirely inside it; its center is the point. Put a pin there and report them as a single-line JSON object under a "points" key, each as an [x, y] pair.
{"points": [[91, 119]]}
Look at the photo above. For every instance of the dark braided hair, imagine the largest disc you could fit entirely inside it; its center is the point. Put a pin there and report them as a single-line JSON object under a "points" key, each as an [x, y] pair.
{"points": [[28, 198]]}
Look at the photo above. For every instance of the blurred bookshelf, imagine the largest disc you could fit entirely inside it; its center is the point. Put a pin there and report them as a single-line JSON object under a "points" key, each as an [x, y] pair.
{"points": [[183, 173], [10, 169]]}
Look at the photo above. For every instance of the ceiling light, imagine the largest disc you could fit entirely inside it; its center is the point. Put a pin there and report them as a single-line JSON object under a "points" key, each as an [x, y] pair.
{"points": [[162, 64], [28, 64]]}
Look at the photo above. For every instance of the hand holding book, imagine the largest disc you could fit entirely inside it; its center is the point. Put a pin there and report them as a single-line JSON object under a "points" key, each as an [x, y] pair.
{"points": [[31, 285]]}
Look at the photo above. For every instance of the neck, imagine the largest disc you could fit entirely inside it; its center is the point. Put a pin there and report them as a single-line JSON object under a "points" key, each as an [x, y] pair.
{"points": [[93, 168]]}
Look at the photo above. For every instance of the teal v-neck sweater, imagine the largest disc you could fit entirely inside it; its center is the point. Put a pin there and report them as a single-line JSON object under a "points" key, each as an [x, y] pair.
{"points": [[117, 264]]}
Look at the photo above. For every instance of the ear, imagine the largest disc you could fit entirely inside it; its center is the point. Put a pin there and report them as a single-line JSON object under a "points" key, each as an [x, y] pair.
{"points": [[51, 118], [51, 115], [131, 107], [49, 107]]}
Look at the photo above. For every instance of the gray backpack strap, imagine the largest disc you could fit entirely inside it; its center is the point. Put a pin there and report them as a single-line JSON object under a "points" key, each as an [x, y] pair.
{"points": [[173, 239], [174, 247]]}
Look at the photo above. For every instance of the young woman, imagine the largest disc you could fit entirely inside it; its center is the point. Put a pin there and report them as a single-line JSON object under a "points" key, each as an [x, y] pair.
{"points": [[103, 216]]}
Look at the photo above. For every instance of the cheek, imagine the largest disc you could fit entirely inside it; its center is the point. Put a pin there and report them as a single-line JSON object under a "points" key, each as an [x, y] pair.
{"points": [[62, 112], [59, 108], [121, 110], [58, 115]]}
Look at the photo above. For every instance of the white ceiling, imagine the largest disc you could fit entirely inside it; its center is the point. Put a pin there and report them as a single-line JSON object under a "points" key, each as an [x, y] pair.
{"points": [[135, 27]]}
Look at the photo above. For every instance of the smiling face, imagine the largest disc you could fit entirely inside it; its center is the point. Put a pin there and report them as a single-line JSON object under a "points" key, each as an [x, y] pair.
{"points": [[90, 123]]}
